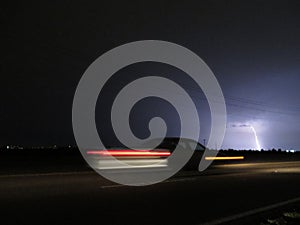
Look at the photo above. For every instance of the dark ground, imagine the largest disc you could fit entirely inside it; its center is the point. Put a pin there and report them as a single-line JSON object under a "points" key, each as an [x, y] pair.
{"points": [[49, 188]]}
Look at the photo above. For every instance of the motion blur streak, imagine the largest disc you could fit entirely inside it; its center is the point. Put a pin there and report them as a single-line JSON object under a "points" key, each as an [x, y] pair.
{"points": [[136, 163], [129, 153], [224, 158]]}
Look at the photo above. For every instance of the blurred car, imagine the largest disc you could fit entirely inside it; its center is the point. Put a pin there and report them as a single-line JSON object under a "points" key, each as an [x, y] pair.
{"points": [[145, 157]]}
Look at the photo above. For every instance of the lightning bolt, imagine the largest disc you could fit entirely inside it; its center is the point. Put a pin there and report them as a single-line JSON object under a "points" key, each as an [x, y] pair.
{"points": [[256, 138]]}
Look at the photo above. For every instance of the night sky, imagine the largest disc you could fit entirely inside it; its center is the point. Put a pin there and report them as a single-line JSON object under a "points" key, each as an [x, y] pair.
{"points": [[253, 48]]}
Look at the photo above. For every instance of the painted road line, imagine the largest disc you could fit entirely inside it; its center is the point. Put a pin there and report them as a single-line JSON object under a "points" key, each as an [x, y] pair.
{"points": [[251, 212], [46, 174], [166, 181]]}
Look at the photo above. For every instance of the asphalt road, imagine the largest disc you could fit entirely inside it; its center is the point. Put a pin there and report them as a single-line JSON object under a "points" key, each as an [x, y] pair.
{"points": [[188, 198]]}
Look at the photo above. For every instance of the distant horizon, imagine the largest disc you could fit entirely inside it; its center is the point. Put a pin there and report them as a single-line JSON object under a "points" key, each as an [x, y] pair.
{"points": [[54, 146]]}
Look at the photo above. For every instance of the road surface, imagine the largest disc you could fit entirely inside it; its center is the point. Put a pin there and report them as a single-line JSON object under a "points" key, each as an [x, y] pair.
{"points": [[84, 197]]}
